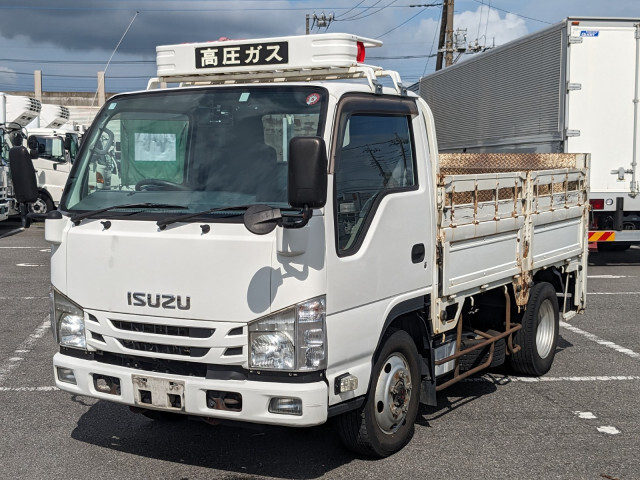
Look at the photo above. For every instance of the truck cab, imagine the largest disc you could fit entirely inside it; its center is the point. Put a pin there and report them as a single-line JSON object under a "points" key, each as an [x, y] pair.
{"points": [[53, 151]]}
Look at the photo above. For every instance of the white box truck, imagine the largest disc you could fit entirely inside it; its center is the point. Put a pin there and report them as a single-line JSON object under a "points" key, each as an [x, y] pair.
{"points": [[572, 87], [281, 247], [16, 111]]}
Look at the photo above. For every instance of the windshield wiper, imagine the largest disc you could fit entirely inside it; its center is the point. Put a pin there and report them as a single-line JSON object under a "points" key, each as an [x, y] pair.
{"points": [[181, 218], [76, 219]]}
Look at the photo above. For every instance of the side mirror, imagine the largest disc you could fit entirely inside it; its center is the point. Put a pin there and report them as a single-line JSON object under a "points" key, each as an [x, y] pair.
{"points": [[67, 143], [23, 175], [33, 153], [307, 172]]}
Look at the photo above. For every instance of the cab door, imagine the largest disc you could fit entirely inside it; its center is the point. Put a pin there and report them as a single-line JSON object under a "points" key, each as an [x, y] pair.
{"points": [[52, 165], [378, 242]]}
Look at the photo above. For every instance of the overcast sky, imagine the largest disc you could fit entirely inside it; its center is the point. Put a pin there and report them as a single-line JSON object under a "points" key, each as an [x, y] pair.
{"points": [[71, 40]]}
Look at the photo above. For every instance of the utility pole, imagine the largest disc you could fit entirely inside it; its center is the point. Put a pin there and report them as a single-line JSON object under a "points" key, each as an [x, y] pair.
{"points": [[445, 42], [307, 18], [448, 59]]}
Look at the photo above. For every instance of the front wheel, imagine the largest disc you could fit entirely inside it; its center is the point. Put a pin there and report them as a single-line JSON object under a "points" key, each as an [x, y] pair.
{"points": [[42, 205], [538, 336], [385, 423]]}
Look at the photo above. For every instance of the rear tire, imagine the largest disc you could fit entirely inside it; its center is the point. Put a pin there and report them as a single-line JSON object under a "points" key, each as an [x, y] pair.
{"points": [[538, 336], [385, 422], [478, 357]]}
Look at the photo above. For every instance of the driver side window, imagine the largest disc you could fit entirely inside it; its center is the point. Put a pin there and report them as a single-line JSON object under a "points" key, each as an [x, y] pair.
{"points": [[375, 159]]}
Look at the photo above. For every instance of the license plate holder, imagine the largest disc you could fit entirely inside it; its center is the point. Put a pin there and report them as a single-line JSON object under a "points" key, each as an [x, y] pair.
{"points": [[158, 392]]}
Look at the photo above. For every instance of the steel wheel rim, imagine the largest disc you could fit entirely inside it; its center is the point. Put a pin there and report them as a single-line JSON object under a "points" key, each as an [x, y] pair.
{"points": [[546, 329], [39, 206], [393, 393]]}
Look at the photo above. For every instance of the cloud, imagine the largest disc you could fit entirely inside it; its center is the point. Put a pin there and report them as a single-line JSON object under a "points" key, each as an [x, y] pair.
{"points": [[91, 27], [485, 26]]}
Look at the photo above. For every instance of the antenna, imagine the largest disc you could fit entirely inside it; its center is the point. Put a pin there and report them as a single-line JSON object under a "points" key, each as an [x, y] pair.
{"points": [[109, 61]]}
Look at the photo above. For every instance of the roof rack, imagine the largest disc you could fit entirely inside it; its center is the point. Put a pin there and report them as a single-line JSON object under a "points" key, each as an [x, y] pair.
{"points": [[284, 59]]}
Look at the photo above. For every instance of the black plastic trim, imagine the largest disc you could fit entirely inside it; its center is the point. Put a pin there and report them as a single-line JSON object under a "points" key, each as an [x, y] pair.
{"points": [[345, 407], [194, 369]]}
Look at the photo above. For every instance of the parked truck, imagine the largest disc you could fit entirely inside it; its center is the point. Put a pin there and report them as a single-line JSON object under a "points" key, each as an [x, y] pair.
{"points": [[281, 247], [572, 87], [54, 146], [15, 113]]}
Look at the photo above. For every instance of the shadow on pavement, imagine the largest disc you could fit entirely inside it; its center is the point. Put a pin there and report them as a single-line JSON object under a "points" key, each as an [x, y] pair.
{"points": [[267, 451], [628, 257]]}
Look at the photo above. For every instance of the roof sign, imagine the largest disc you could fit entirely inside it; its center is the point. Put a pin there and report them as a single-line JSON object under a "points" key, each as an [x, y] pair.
{"points": [[250, 54], [334, 50]]}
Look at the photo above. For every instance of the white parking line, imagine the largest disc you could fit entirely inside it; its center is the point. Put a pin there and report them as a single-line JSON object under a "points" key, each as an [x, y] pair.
{"points": [[29, 389], [496, 379], [608, 276], [609, 430], [613, 293], [600, 341], [22, 298], [504, 379], [23, 349]]}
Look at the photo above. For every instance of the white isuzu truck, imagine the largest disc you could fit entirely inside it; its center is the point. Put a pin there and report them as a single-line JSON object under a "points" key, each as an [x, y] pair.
{"points": [[282, 247], [572, 87]]}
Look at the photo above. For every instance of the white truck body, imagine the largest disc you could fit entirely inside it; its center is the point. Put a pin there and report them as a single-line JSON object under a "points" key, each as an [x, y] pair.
{"points": [[42, 127], [15, 113], [53, 163], [572, 87], [173, 316]]}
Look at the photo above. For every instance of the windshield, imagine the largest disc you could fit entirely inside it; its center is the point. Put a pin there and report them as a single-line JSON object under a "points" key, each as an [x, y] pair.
{"points": [[197, 148]]}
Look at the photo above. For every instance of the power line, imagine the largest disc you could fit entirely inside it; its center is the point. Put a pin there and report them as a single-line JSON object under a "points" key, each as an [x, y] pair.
{"points": [[77, 62], [360, 13], [432, 44], [352, 8], [516, 14], [408, 19]]}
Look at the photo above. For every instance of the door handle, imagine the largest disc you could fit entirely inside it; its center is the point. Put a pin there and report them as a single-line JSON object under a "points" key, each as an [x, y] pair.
{"points": [[417, 253]]}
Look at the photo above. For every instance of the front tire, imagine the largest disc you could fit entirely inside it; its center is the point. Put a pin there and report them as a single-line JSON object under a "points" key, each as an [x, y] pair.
{"points": [[538, 336], [42, 205], [385, 423]]}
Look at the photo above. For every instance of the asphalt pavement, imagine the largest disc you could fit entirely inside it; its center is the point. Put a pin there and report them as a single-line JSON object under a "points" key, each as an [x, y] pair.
{"points": [[580, 421]]}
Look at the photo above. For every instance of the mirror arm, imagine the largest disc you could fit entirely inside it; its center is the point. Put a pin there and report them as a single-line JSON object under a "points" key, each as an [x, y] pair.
{"points": [[306, 216]]}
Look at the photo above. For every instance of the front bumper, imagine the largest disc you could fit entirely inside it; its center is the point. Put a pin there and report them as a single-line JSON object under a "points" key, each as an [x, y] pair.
{"points": [[255, 395]]}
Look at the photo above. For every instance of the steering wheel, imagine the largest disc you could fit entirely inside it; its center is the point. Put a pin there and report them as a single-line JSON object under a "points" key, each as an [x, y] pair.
{"points": [[106, 140], [157, 184]]}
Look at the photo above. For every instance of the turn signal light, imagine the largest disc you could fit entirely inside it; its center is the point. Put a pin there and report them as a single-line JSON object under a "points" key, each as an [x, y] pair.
{"points": [[597, 203], [99, 178]]}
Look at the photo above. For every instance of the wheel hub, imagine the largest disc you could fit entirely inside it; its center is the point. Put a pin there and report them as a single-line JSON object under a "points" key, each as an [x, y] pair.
{"points": [[393, 394]]}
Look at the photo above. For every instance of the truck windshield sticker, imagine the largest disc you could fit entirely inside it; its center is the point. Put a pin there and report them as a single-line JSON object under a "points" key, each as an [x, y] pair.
{"points": [[276, 53], [589, 33], [313, 99], [155, 147]]}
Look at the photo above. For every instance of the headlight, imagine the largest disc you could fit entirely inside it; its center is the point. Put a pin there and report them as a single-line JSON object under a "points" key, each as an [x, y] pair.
{"points": [[291, 339], [67, 322]]}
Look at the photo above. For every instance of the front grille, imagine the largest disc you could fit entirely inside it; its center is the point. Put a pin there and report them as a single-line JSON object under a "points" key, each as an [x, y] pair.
{"points": [[165, 349], [191, 332], [172, 367]]}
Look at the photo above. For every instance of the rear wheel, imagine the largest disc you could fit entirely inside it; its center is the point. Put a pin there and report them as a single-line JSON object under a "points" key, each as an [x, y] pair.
{"points": [[538, 336], [385, 423]]}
